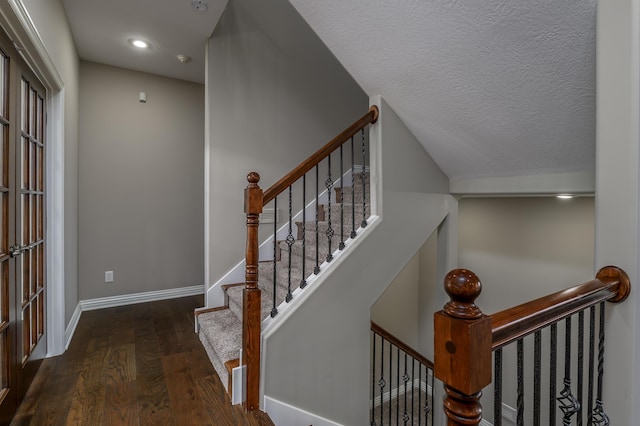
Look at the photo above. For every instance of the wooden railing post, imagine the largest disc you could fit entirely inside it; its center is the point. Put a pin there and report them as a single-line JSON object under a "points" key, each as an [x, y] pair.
{"points": [[251, 321], [462, 349]]}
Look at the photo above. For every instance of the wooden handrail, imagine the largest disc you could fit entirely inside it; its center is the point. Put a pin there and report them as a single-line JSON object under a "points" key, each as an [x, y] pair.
{"points": [[464, 338], [400, 344], [295, 174], [611, 284]]}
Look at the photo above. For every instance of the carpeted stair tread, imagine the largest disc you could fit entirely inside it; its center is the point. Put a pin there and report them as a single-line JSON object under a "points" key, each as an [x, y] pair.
{"points": [[221, 332]]}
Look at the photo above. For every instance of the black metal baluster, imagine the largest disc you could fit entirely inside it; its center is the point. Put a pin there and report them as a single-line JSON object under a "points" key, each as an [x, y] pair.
{"points": [[599, 417], [274, 310], [427, 407], [290, 240], [580, 367], [329, 184], [568, 403], [303, 280], [413, 374], [520, 419], [353, 192], [373, 383], [405, 379], [341, 245], [553, 364], [390, 379], [537, 366], [397, 386], [497, 388], [592, 350], [381, 382], [431, 410], [419, 394], [316, 270], [363, 176]]}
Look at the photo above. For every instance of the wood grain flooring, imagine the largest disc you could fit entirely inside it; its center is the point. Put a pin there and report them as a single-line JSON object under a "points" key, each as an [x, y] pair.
{"points": [[133, 365]]}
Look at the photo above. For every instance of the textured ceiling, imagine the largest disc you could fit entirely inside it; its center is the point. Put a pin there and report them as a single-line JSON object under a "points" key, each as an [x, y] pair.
{"points": [[102, 28], [490, 88]]}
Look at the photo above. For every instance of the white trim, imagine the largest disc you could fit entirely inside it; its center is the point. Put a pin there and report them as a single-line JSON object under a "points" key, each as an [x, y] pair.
{"points": [[284, 414], [148, 296], [16, 21], [24, 34], [71, 328], [56, 338], [207, 188]]}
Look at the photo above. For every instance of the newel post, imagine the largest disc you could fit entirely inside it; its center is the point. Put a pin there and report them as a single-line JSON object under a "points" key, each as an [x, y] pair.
{"points": [[462, 349], [251, 295]]}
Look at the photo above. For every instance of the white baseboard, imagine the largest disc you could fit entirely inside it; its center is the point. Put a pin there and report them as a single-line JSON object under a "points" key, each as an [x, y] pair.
{"points": [[126, 299], [71, 328], [148, 296], [285, 414]]}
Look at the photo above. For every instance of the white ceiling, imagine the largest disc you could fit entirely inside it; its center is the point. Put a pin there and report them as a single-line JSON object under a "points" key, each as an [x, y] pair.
{"points": [[490, 88], [102, 28]]}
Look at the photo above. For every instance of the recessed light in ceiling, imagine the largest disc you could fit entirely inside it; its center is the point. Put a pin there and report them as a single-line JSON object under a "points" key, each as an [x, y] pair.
{"points": [[141, 44], [564, 196], [199, 5]]}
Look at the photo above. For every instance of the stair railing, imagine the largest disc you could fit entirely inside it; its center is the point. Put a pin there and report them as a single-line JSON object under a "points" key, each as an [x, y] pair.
{"points": [[401, 382], [465, 339], [256, 199]]}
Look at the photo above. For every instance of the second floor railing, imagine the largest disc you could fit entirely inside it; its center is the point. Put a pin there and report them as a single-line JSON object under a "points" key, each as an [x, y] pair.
{"points": [[465, 340], [401, 382]]}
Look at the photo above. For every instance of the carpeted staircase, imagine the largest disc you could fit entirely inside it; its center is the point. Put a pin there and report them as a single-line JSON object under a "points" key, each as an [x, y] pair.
{"points": [[220, 331]]}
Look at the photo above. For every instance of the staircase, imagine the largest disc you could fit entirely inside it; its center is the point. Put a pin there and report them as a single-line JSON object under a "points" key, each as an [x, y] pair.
{"points": [[220, 329]]}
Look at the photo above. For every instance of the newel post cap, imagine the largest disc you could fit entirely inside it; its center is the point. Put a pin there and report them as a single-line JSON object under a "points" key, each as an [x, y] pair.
{"points": [[253, 195], [463, 288]]}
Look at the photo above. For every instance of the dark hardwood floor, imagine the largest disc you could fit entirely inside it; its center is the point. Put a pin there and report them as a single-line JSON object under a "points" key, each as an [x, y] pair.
{"points": [[133, 365]]}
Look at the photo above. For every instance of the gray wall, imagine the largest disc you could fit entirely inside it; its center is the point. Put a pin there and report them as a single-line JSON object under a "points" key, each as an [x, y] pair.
{"points": [[50, 20], [140, 182], [406, 307], [525, 248], [337, 313], [275, 95]]}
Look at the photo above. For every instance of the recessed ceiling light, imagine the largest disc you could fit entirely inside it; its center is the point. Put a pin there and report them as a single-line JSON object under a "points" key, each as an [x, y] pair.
{"points": [[564, 196], [141, 44]]}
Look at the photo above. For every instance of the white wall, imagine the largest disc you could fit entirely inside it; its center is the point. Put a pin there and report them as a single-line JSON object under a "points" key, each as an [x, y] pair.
{"points": [[337, 314], [141, 181], [51, 22], [617, 195], [275, 95], [525, 248]]}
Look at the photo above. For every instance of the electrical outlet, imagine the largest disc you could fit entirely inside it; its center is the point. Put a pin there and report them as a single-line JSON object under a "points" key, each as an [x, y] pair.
{"points": [[108, 276]]}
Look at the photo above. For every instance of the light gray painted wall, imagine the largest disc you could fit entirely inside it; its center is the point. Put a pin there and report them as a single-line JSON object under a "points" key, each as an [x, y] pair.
{"points": [[141, 181], [397, 308], [275, 96], [406, 307], [525, 248], [617, 195], [50, 20], [337, 314]]}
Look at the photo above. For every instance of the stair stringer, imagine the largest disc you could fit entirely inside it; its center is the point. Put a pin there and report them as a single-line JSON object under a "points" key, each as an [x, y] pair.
{"points": [[317, 357]]}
